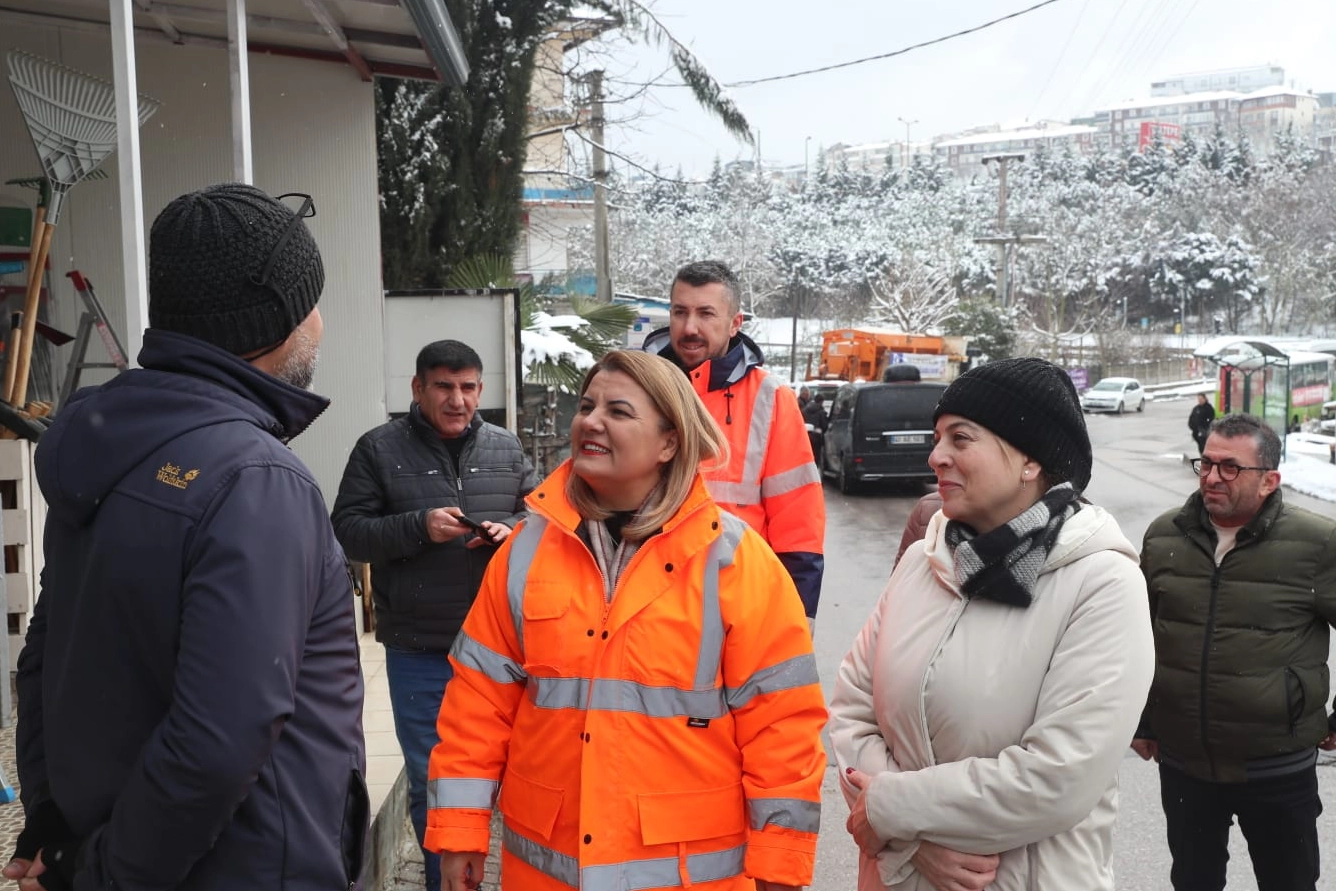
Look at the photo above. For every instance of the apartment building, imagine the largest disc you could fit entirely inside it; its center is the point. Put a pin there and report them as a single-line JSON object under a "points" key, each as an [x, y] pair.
{"points": [[1265, 113], [964, 155], [1198, 114], [1238, 80]]}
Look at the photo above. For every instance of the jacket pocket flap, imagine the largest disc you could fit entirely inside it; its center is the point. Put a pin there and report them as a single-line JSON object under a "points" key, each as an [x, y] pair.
{"points": [[545, 599], [668, 817], [530, 803]]}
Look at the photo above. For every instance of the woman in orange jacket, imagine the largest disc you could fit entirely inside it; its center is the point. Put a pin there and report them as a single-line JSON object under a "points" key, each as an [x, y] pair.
{"points": [[628, 689]]}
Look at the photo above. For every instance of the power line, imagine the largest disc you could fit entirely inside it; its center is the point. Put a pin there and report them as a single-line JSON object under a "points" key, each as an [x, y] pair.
{"points": [[899, 52], [660, 177], [1080, 16]]}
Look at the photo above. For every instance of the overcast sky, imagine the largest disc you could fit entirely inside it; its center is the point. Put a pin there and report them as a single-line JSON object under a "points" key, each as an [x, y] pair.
{"points": [[1057, 62]]}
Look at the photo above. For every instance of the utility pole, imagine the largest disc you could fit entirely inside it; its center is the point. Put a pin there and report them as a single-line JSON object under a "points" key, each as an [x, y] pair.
{"points": [[602, 261], [1002, 239], [904, 154]]}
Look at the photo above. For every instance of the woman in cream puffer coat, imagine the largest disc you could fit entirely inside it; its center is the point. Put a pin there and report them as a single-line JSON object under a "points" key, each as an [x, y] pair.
{"points": [[964, 724]]}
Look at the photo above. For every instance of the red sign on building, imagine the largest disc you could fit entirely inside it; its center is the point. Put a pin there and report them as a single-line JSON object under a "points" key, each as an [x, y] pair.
{"points": [[1166, 131]]}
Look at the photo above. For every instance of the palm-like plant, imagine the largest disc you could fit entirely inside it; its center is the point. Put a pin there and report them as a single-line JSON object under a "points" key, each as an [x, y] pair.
{"points": [[558, 349]]}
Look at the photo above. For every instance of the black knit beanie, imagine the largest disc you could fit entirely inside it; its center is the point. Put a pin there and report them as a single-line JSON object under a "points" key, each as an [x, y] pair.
{"points": [[207, 256], [1033, 405]]}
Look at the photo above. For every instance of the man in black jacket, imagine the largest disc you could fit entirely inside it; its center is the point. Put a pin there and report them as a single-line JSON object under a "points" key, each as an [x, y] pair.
{"points": [[409, 493], [1242, 596], [190, 697]]}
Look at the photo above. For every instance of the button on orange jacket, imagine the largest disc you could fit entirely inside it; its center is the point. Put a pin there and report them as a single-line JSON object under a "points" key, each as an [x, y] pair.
{"points": [[668, 738]]}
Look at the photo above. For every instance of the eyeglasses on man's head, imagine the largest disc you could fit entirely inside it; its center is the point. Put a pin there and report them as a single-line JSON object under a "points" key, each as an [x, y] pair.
{"points": [[1228, 470]]}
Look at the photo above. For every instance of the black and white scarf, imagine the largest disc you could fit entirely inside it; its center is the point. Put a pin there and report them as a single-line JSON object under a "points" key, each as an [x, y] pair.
{"points": [[1004, 564]]}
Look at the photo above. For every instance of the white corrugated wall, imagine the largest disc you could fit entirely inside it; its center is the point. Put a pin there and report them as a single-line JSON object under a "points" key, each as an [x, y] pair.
{"points": [[314, 131]]}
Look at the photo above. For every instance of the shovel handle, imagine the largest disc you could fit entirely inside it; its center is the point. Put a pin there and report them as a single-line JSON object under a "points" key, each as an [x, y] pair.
{"points": [[11, 354], [18, 396]]}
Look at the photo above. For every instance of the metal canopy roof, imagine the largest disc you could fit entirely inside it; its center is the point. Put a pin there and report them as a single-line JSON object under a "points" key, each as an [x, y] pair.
{"points": [[415, 40]]}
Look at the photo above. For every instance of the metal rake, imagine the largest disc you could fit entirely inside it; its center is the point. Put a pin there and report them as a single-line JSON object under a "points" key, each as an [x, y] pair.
{"points": [[72, 119]]}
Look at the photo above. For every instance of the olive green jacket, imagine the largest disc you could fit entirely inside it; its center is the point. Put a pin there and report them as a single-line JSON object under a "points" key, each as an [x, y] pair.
{"points": [[1241, 649]]}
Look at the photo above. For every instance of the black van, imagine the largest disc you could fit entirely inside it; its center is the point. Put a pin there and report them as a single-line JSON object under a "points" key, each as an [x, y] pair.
{"points": [[880, 432]]}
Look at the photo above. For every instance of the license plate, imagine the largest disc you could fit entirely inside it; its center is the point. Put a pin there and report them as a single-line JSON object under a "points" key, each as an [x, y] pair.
{"points": [[908, 439]]}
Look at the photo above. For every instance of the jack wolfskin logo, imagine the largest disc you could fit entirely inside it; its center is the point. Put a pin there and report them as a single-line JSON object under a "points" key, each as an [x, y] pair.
{"points": [[170, 474]]}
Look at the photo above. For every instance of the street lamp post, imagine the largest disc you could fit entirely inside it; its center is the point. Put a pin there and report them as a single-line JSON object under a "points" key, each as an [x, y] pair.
{"points": [[806, 143], [904, 154]]}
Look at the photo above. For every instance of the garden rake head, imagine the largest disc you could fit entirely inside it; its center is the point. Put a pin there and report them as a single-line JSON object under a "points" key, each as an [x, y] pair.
{"points": [[72, 119]]}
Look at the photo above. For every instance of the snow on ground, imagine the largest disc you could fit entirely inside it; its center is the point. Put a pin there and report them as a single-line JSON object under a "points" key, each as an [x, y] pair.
{"points": [[1307, 467]]}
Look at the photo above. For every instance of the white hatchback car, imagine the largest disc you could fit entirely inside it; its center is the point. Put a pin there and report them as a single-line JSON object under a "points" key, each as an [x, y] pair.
{"points": [[1115, 394]]}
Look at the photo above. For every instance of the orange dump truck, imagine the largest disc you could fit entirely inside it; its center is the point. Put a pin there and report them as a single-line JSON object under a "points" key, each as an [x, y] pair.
{"points": [[852, 354]]}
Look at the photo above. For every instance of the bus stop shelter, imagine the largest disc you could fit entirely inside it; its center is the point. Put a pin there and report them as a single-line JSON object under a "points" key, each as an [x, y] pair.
{"points": [[1245, 363]]}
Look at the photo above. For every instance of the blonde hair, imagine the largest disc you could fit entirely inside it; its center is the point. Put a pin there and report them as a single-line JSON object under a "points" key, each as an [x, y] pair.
{"points": [[699, 439]]}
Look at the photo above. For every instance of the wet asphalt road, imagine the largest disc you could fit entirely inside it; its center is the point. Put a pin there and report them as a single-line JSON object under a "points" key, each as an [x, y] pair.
{"points": [[1139, 472]]}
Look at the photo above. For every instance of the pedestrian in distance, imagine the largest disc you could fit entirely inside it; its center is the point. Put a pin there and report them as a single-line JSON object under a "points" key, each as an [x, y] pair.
{"points": [[426, 499], [771, 479], [189, 695], [1242, 596], [981, 716], [1199, 421], [639, 713]]}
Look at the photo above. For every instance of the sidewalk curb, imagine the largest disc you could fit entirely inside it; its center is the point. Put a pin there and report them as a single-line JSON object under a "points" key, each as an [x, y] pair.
{"points": [[385, 835]]}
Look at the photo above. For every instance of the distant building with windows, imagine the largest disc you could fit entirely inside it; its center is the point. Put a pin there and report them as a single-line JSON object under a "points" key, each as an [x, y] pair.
{"points": [[1197, 114], [1236, 80], [1271, 111], [964, 155], [555, 202], [873, 157]]}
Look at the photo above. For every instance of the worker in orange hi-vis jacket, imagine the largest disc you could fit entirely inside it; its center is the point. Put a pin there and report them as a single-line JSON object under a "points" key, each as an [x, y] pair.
{"points": [[771, 479], [625, 691]]}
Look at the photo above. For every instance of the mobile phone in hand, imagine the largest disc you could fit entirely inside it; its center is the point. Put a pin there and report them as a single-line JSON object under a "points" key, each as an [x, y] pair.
{"points": [[477, 527]]}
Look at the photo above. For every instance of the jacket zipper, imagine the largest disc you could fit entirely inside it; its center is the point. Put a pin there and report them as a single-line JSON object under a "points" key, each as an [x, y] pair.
{"points": [[962, 603], [1205, 662]]}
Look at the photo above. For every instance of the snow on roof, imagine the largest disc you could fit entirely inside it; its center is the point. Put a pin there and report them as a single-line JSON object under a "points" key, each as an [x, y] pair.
{"points": [[1018, 135], [1278, 90], [864, 147], [1164, 101]]}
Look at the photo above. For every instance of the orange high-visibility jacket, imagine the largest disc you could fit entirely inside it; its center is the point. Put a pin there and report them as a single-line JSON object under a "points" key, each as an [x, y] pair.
{"points": [[668, 738], [771, 480]]}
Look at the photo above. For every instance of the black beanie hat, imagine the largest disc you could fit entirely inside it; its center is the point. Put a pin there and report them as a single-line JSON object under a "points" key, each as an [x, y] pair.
{"points": [[207, 256], [1033, 405]]}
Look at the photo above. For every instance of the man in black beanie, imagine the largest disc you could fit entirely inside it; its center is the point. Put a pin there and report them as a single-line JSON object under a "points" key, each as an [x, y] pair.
{"points": [[190, 694]]}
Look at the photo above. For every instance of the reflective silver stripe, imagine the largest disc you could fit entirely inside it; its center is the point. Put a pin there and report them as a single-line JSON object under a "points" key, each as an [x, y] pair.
{"points": [[758, 436], [742, 494], [636, 875], [628, 696], [791, 813], [789, 480], [501, 669], [704, 700], [522, 551], [448, 792], [720, 555], [800, 671], [633, 875], [550, 863]]}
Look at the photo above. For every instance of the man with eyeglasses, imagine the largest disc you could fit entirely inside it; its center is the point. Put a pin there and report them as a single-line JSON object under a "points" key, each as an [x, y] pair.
{"points": [[1242, 596], [190, 696]]}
